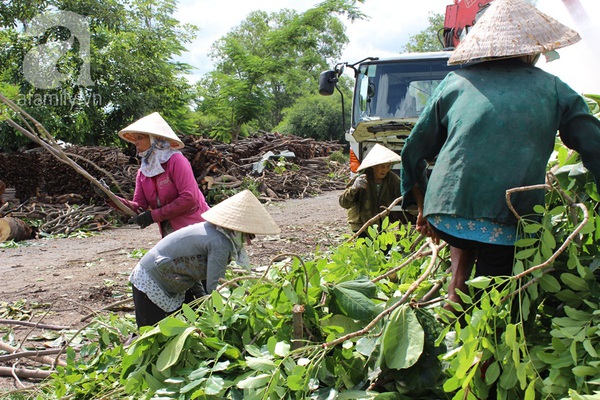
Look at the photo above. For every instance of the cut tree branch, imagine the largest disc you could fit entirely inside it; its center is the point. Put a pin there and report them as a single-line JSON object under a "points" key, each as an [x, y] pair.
{"points": [[370, 222], [25, 373], [34, 324], [413, 287], [53, 148], [41, 359]]}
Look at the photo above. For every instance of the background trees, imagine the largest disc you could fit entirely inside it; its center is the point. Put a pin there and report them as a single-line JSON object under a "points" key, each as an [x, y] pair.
{"points": [[262, 67], [429, 38], [132, 45], [265, 64], [317, 116]]}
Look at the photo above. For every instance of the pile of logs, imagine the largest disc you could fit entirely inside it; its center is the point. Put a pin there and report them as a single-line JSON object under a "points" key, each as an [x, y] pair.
{"points": [[309, 172], [41, 188], [64, 219]]}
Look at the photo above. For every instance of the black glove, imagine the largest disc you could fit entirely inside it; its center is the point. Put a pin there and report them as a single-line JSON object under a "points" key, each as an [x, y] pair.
{"points": [[143, 220], [99, 191]]}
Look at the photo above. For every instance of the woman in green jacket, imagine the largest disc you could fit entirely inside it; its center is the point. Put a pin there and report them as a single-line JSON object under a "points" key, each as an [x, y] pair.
{"points": [[368, 193], [492, 126]]}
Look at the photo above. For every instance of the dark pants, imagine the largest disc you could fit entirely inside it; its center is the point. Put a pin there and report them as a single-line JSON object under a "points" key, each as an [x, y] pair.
{"points": [[147, 313], [490, 259]]}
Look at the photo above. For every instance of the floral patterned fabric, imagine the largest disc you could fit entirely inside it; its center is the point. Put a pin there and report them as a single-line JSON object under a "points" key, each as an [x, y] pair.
{"points": [[159, 152], [479, 230], [144, 283]]}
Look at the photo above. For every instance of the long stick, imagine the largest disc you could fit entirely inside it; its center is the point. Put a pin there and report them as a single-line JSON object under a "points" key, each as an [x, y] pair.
{"points": [[54, 149], [27, 323], [370, 222], [30, 353], [25, 373], [414, 286], [41, 359]]}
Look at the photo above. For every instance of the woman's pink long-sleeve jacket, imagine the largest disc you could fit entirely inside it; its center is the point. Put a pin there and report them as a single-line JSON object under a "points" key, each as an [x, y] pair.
{"points": [[176, 190]]}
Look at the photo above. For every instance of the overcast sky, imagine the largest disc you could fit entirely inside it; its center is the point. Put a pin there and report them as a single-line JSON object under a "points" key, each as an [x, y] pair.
{"points": [[388, 28]]}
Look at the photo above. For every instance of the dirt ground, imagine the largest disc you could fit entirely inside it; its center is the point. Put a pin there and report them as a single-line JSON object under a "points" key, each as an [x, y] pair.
{"points": [[72, 278]]}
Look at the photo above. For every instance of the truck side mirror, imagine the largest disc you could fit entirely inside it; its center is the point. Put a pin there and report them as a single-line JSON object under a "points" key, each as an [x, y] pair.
{"points": [[327, 81]]}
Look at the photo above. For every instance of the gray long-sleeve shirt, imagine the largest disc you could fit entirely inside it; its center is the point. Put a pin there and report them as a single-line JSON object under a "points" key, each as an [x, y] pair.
{"points": [[188, 255]]}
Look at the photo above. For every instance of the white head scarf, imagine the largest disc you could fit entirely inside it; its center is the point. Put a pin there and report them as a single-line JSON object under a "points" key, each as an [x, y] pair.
{"points": [[160, 151]]}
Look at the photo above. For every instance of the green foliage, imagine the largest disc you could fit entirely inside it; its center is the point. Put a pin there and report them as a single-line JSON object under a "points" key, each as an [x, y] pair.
{"points": [[101, 343], [317, 116], [281, 166], [533, 336], [593, 101], [20, 310], [132, 44], [339, 157], [241, 342], [429, 38], [268, 62], [11, 244], [350, 324], [137, 253], [218, 194]]}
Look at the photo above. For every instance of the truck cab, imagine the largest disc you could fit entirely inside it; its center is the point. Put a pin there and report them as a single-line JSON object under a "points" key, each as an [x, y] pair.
{"points": [[389, 96]]}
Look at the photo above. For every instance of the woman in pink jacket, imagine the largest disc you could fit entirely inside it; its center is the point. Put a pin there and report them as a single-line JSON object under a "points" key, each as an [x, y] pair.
{"points": [[166, 191]]}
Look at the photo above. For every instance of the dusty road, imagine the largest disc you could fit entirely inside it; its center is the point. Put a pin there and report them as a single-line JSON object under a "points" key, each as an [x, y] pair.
{"points": [[62, 281], [74, 276]]}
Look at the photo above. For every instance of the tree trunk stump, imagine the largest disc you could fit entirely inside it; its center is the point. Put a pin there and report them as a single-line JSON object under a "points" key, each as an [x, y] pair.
{"points": [[13, 229]]}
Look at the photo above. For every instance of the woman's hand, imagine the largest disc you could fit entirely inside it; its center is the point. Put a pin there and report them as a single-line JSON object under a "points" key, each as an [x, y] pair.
{"points": [[143, 220], [422, 224], [360, 183], [424, 228]]}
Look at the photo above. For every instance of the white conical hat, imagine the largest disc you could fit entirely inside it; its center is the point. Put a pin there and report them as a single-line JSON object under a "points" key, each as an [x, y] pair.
{"points": [[512, 28], [152, 124], [379, 155], [242, 212]]}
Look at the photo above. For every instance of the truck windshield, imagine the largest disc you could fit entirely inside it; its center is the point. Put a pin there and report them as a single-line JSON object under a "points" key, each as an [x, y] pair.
{"points": [[396, 89]]}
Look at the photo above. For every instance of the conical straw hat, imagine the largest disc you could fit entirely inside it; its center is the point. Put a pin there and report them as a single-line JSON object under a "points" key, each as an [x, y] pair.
{"points": [[243, 213], [512, 28], [379, 155], [152, 124]]}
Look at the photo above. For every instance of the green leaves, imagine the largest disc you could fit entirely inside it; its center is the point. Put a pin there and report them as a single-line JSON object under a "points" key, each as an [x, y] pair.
{"points": [[267, 63], [172, 351], [549, 283], [402, 339], [532, 337], [131, 48], [353, 299], [574, 282]]}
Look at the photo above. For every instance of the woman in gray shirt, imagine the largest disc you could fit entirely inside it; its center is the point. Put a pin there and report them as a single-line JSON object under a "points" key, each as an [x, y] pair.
{"points": [[197, 253]]}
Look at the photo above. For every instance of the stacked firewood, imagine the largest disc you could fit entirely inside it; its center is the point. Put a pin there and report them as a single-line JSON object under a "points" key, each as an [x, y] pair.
{"points": [[64, 218], [206, 154], [308, 172], [42, 188]]}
